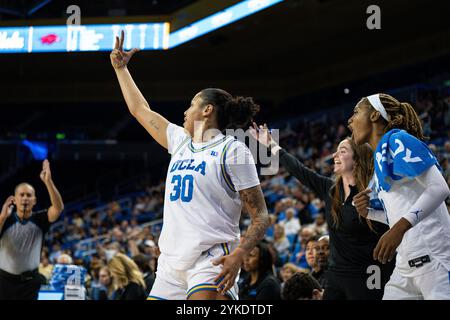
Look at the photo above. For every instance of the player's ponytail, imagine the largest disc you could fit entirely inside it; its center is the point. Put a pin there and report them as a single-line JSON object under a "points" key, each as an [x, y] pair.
{"points": [[231, 112]]}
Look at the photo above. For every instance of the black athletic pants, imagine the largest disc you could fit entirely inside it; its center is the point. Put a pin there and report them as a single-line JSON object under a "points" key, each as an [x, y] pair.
{"points": [[341, 287], [19, 287]]}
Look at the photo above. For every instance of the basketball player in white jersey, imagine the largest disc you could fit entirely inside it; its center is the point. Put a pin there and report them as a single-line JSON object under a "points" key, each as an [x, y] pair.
{"points": [[210, 178], [412, 191]]}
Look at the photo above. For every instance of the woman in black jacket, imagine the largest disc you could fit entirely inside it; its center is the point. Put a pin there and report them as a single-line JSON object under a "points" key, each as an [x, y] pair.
{"points": [[127, 279], [352, 272]]}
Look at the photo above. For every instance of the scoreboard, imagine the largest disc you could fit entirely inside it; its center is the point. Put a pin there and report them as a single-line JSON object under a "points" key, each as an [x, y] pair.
{"points": [[101, 37], [73, 38]]}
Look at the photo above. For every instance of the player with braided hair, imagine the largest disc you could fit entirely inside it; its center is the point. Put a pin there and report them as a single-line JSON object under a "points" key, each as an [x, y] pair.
{"points": [[412, 192]]}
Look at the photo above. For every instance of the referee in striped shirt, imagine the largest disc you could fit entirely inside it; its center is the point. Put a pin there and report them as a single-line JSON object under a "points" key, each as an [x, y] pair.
{"points": [[22, 234]]}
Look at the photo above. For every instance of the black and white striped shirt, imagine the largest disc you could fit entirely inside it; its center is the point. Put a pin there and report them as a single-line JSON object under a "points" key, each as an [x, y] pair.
{"points": [[21, 242]]}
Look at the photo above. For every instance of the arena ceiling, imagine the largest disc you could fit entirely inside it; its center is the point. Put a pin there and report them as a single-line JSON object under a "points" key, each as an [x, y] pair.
{"points": [[294, 47], [50, 9]]}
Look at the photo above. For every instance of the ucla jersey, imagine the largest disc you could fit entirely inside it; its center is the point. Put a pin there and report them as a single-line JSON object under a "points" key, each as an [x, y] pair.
{"points": [[401, 161], [202, 206]]}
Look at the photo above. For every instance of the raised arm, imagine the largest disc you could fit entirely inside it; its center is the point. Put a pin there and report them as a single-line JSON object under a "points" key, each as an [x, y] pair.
{"points": [[314, 181], [153, 122], [55, 197]]}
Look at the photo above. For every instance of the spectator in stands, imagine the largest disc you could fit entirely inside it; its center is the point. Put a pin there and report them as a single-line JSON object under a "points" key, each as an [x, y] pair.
{"points": [[55, 252], [152, 203], [302, 286], [125, 227], [321, 254], [298, 257], [45, 267], [286, 272], [291, 224], [446, 153], [143, 262], [259, 282], [310, 252], [445, 169], [303, 213], [281, 242], [139, 206], [105, 289], [127, 279], [135, 229], [78, 220], [352, 238], [320, 226], [271, 229]]}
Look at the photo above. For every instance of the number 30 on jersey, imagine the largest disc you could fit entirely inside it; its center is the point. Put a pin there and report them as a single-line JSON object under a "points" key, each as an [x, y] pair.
{"points": [[182, 188]]}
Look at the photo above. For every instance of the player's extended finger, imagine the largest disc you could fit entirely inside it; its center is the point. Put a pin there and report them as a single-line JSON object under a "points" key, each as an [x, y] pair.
{"points": [[391, 256], [224, 286], [255, 126], [361, 203], [218, 261], [363, 193], [9, 201], [231, 282], [376, 251], [217, 280], [122, 38], [133, 51], [381, 253], [229, 285], [116, 44], [221, 281], [253, 132], [387, 253], [362, 197]]}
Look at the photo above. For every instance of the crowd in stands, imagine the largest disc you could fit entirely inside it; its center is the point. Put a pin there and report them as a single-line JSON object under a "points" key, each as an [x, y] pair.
{"points": [[289, 263]]}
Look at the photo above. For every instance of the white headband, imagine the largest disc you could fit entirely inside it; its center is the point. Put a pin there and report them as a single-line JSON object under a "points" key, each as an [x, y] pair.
{"points": [[377, 105]]}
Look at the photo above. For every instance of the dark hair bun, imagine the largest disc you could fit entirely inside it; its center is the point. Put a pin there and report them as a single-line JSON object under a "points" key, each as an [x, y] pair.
{"points": [[240, 111]]}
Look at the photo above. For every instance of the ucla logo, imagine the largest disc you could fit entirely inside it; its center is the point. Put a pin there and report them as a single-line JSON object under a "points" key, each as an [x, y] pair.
{"points": [[188, 164]]}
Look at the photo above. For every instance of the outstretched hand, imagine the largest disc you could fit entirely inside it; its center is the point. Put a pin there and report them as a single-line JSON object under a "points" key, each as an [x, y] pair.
{"points": [[119, 57], [7, 208], [261, 134], [46, 174]]}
